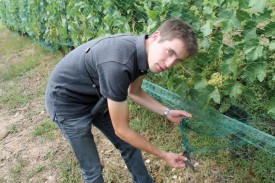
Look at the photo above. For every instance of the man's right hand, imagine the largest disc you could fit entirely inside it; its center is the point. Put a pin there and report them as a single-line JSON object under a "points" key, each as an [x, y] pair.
{"points": [[175, 160]]}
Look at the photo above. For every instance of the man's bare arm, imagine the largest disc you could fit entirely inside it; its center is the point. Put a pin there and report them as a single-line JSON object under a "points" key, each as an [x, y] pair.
{"points": [[119, 116], [136, 94]]}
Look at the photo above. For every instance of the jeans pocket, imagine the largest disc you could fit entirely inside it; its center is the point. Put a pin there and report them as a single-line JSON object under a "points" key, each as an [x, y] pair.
{"points": [[67, 129], [58, 119], [74, 126]]}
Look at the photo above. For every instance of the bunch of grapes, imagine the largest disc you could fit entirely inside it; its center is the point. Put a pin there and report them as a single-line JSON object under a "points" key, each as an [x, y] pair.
{"points": [[216, 80]]}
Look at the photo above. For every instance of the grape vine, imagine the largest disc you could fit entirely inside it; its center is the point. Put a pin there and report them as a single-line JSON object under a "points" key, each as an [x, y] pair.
{"points": [[236, 38]]}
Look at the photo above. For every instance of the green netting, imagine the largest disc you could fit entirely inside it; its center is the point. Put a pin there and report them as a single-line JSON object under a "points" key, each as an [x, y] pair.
{"points": [[210, 124]]}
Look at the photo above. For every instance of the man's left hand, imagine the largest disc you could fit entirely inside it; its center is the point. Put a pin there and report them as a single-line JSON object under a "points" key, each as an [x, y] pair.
{"points": [[176, 116]]}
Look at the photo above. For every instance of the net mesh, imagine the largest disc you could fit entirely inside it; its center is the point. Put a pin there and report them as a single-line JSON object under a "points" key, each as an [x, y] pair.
{"points": [[206, 122]]}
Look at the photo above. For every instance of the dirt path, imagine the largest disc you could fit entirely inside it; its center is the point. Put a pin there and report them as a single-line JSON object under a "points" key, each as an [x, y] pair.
{"points": [[22, 155], [20, 152]]}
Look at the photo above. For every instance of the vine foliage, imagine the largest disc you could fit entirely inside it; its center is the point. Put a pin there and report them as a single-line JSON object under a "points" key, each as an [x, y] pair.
{"points": [[236, 58]]}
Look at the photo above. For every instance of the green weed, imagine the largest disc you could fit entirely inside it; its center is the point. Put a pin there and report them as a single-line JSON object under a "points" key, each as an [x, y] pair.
{"points": [[69, 170], [155, 128], [36, 170], [46, 130], [22, 65], [17, 169], [51, 153], [20, 68], [13, 128], [13, 97], [23, 69], [11, 42]]}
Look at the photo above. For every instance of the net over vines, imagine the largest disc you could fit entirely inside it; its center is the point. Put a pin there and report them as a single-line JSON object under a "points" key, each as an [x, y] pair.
{"points": [[222, 131]]}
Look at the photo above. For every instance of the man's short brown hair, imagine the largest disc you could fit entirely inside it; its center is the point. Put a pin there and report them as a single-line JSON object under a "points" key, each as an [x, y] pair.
{"points": [[175, 28]]}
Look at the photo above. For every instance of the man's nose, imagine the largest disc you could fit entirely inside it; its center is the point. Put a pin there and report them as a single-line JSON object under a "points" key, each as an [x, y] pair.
{"points": [[169, 63]]}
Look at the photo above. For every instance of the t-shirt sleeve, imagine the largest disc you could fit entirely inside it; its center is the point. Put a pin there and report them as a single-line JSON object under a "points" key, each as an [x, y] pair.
{"points": [[114, 80]]}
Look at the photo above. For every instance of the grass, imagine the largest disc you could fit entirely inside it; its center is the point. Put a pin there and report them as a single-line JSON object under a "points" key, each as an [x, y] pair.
{"points": [[11, 42], [14, 128], [68, 168], [36, 170], [13, 98], [24, 68], [20, 60], [247, 167], [46, 130], [156, 128], [17, 69], [17, 169]]}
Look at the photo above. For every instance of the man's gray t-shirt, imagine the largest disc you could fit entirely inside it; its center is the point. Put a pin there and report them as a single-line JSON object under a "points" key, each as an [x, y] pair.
{"points": [[112, 63]]}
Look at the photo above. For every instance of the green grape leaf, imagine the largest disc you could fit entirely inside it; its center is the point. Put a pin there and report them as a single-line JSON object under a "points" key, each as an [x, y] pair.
{"points": [[204, 43], [266, 15], [215, 95], [153, 14], [255, 70], [176, 14], [228, 86], [257, 5], [271, 112], [235, 22], [207, 12], [151, 26], [225, 68], [271, 107], [242, 15], [231, 65], [234, 64], [182, 87], [170, 83], [243, 4], [269, 29], [223, 15], [256, 53], [261, 73], [272, 45], [206, 28], [236, 90], [250, 34], [201, 84]]}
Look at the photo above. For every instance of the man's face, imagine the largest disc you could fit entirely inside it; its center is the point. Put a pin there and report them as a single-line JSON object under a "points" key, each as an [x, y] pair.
{"points": [[164, 55]]}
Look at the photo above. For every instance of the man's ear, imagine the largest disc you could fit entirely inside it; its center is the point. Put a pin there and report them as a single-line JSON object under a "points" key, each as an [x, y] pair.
{"points": [[156, 35]]}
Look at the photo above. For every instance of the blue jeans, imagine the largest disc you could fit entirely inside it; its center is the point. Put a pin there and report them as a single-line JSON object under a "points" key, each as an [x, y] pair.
{"points": [[78, 133]]}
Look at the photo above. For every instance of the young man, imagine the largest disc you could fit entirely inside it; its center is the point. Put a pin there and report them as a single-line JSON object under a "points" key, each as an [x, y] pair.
{"points": [[113, 67]]}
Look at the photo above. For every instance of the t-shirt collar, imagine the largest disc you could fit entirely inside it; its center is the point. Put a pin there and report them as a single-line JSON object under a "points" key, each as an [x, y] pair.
{"points": [[141, 54]]}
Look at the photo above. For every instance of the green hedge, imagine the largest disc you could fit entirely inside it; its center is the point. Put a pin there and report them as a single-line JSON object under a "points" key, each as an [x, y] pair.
{"points": [[72, 22], [236, 38]]}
